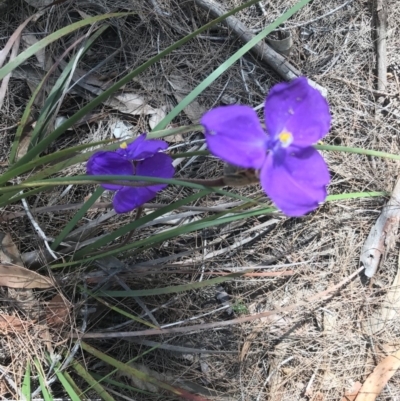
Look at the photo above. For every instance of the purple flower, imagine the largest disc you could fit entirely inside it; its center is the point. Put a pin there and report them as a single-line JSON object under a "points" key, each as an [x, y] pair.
{"points": [[141, 157], [292, 173]]}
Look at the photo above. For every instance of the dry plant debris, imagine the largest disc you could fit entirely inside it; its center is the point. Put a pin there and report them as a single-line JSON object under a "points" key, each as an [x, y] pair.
{"points": [[383, 234], [378, 379], [276, 351]]}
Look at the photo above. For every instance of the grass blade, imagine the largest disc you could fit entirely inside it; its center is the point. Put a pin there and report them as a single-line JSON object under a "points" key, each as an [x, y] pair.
{"points": [[67, 386], [81, 212], [26, 384], [42, 381], [82, 372], [120, 311], [123, 81], [53, 37], [137, 223], [140, 375], [227, 64], [172, 289]]}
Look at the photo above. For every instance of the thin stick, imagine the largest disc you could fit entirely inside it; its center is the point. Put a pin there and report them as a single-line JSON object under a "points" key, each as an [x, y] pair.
{"points": [[380, 16], [316, 19], [265, 53], [38, 228]]}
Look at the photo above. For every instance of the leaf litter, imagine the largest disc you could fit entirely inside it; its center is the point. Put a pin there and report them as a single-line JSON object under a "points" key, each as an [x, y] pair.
{"points": [[321, 344]]}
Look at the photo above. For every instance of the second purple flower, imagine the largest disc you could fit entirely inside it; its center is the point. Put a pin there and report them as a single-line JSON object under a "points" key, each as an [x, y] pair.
{"points": [[141, 157]]}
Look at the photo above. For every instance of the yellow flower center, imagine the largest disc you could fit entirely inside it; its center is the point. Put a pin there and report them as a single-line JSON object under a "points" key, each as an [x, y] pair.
{"points": [[286, 138], [123, 145]]}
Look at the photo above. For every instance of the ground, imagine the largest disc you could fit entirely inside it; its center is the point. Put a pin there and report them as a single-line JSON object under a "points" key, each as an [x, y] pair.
{"points": [[314, 347]]}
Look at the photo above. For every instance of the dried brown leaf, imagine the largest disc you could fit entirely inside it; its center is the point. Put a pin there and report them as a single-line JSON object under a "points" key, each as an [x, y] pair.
{"points": [[130, 103], [378, 379], [9, 253], [29, 40], [57, 311], [19, 277], [23, 146], [6, 79], [12, 324]]}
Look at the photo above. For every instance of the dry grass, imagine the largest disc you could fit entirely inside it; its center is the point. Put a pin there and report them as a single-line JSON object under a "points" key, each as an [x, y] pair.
{"points": [[312, 353]]}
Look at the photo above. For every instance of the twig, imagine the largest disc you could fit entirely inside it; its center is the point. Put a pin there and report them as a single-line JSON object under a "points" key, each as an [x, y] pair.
{"points": [[316, 19], [194, 317], [178, 348], [321, 296], [380, 16], [373, 91], [37, 228], [272, 373], [261, 50], [5, 375], [139, 301], [77, 345]]}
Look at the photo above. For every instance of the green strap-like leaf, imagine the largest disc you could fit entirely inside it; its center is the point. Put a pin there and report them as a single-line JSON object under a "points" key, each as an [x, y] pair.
{"points": [[227, 64], [81, 212], [32, 50], [172, 289], [26, 384], [95, 385]]}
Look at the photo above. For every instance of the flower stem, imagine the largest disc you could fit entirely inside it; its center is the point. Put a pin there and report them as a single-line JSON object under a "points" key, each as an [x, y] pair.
{"points": [[359, 151]]}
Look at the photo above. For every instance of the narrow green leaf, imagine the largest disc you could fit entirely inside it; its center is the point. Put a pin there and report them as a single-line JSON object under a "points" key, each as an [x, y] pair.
{"points": [[47, 111], [53, 37], [137, 373], [81, 212], [227, 64], [355, 195], [359, 151], [120, 311], [211, 221], [123, 81], [172, 289], [107, 379], [67, 386], [85, 179], [67, 154], [72, 383], [82, 372], [42, 381], [16, 197], [137, 223], [119, 384], [174, 131], [26, 384]]}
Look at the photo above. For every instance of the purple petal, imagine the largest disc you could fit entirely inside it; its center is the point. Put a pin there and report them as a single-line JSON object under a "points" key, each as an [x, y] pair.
{"points": [[109, 163], [129, 198], [295, 182], [235, 135], [160, 165], [297, 108], [141, 148]]}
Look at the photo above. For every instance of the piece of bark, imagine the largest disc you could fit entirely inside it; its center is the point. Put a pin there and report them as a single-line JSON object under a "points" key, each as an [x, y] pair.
{"points": [[378, 379], [382, 235], [387, 313], [261, 50], [380, 17]]}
